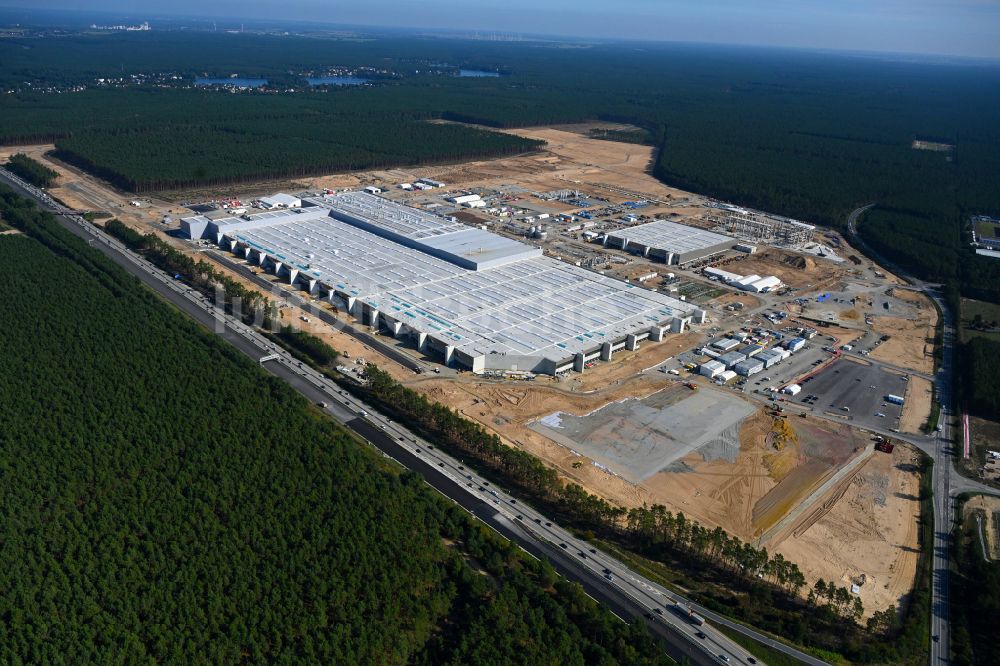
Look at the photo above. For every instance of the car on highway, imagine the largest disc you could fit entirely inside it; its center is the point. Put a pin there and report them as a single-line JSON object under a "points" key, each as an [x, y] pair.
{"points": [[724, 658], [701, 634]]}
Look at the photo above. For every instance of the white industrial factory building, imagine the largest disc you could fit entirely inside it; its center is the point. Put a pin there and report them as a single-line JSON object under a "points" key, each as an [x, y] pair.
{"points": [[476, 299], [670, 242]]}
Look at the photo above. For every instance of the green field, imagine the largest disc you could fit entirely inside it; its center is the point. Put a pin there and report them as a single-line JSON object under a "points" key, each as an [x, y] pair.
{"points": [[166, 501], [986, 229], [980, 319]]}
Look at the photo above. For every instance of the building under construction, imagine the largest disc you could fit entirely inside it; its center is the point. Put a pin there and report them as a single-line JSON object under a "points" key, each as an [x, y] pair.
{"points": [[473, 298], [756, 226]]}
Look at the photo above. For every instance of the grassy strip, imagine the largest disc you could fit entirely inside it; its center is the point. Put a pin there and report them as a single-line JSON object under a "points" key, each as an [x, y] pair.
{"points": [[933, 418], [914, 634], [764, 653], [939, 334], [676, 582]]}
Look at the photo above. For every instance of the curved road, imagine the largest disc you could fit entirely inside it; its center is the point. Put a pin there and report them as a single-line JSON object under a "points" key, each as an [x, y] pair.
{"points": [[626, 593], [947, 483]]}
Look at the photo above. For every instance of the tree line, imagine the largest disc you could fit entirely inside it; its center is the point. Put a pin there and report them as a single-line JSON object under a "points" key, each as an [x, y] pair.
{"points": [[175, 504], [975, 596], [654, 531], [811, 138], [765, 588], [235, 298], [31, 170]]}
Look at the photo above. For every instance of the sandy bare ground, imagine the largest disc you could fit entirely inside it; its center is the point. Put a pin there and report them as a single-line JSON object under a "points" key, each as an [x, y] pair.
{"points": [[988, 507], [916, 404], [714, 492], [625, 364], [795, 270], [85, 192], [507, 408], [718, 493], [872, 529], [749, 301], [910, 344]]}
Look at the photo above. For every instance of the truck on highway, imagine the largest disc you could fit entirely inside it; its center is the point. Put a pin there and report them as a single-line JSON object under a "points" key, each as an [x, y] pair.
{"points": [[685, 612]]}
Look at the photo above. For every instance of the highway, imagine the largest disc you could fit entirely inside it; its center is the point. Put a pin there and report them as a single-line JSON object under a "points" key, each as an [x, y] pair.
{"points": [[626, 593], [947, 483]]}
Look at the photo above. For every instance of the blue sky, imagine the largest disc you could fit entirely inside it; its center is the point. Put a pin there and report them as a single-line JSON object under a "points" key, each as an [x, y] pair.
{"points": [[947, 27]]}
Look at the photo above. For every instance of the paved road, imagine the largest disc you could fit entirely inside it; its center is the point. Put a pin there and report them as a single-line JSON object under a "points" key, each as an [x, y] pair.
{"points": [[626, 593], [946, 481]]}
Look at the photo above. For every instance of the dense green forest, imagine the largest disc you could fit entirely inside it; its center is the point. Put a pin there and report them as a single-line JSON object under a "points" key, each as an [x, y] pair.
{"points": [[975, 600], [722, 572], [31, 170], [980, 358], [804, 134], [247, 146], [166, 501]]}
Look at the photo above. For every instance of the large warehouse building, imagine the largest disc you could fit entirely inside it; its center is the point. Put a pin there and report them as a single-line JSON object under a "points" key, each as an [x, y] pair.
{"points": [[479, 300], [670, 242]]}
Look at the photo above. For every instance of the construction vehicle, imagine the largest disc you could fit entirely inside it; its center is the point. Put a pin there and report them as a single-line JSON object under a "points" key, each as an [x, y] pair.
{"points": [[884, 446], [691, 385]]}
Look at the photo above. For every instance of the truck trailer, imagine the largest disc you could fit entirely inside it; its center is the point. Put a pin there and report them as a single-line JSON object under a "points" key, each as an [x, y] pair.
{"points": [[685, 612]]}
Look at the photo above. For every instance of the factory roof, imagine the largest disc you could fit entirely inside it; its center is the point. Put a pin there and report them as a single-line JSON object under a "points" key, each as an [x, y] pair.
{"points": [[732, 358], [719, 273], [448, 239], [671, 236], [770, 282], [282, 199], [528, 304], [725, 343]]}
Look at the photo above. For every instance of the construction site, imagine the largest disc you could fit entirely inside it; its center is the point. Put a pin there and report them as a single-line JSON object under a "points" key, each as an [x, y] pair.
{"points": [[630, 421]]}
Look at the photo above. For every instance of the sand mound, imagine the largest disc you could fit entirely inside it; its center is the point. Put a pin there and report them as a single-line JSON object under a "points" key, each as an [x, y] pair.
{"points": [[796, 261]]}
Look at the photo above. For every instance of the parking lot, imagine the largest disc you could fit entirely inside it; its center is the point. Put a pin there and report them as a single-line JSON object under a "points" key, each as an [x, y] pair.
{"points": [[855, 391]]}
